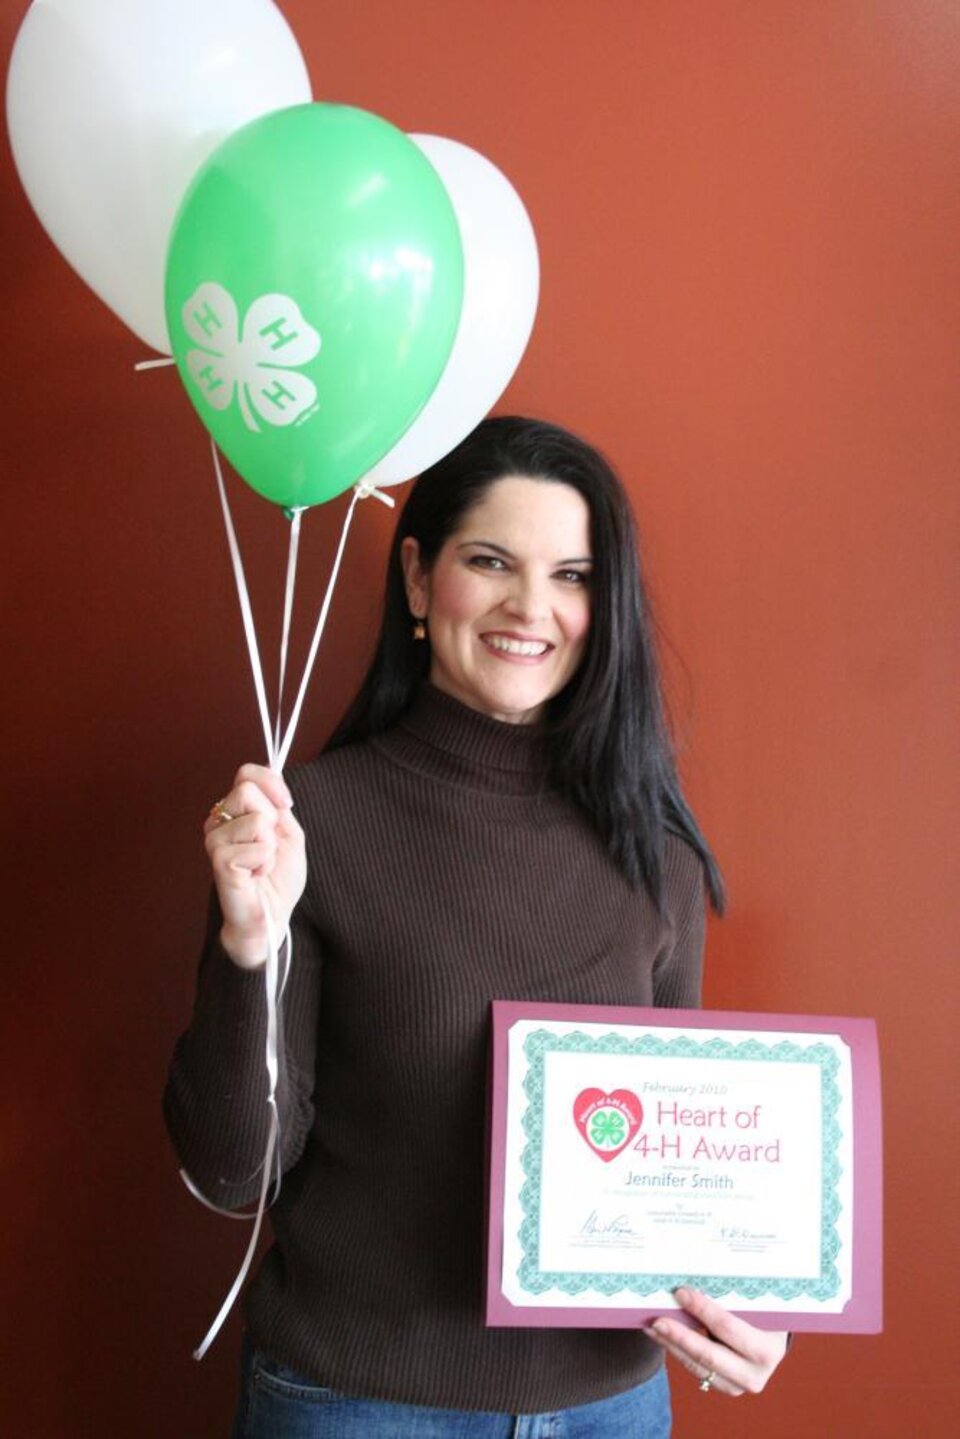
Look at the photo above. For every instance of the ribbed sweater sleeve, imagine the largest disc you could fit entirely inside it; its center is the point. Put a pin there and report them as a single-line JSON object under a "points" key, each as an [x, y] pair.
{"points": [[215, 1102]]}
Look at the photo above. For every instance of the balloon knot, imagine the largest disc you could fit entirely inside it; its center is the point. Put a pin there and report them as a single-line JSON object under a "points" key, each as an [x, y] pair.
{"points": [[367, 490]]}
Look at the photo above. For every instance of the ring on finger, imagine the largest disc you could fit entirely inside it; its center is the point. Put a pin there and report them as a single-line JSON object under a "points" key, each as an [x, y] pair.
{"points": [[706, 1383], [220, 813]]}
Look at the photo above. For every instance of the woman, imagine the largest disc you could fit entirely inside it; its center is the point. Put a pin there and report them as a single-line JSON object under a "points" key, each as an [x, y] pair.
{"points": [[498, 816]]}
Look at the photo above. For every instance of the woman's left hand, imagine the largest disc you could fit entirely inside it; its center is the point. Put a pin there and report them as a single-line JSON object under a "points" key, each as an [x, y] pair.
{"points": [[731, 1354]]}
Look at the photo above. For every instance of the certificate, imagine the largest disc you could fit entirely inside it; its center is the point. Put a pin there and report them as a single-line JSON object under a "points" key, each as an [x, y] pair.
{"points": [[634, 1150]]}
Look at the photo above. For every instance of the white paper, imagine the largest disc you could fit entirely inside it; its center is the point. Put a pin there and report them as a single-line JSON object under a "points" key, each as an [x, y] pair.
{"points": [[639, 1158]]}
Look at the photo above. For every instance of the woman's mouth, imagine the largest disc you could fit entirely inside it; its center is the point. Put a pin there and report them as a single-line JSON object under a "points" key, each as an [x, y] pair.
{"points": [[512, 645]]}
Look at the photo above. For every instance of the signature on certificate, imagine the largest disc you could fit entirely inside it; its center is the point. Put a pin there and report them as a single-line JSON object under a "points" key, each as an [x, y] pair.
{"points": [[618, 1225]]}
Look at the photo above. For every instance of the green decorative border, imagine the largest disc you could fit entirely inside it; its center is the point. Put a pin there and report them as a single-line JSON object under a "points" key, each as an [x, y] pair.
{"points": [[533, 1280]]}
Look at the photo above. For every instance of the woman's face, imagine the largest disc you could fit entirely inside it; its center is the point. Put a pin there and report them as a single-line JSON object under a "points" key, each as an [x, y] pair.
{"points": [[507, 600]]}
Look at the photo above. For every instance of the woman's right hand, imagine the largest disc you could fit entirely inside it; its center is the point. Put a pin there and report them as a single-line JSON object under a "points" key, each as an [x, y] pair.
{"points": [[259, 851]]}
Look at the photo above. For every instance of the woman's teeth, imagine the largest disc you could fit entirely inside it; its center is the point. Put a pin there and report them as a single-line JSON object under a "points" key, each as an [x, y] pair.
{"points": [[516, 647]]}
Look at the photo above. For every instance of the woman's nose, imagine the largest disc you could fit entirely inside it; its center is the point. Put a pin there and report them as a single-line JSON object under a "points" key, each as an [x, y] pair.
{"points": [[527, 600]]}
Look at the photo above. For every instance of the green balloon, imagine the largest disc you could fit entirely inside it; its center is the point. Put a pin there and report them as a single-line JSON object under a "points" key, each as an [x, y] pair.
{"points": [[313, 291]]}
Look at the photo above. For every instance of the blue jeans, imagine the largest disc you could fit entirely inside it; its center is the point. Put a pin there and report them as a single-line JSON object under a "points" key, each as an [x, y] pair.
{"points": [[277, 1403]]}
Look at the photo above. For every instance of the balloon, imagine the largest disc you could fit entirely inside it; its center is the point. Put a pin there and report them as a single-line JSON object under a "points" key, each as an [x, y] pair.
{"points": [[501, 286], [113, 104], [314, 286]]}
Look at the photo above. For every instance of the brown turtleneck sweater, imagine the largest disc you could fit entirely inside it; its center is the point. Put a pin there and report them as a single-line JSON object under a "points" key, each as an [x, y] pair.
{"points": [[443, 873]]}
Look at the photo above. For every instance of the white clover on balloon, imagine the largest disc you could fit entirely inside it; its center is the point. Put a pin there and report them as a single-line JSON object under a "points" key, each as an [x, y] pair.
{"points": [[255, 361]]}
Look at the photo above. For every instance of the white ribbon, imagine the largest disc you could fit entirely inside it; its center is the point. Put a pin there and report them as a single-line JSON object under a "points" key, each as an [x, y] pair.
{"points": [[243, 595], [294, 546], [362, 491], [272, 1152], [277, 752]]}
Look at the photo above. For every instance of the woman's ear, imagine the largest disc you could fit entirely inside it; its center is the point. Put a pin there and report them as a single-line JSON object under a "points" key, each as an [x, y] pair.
{"points": [[415, 578]]}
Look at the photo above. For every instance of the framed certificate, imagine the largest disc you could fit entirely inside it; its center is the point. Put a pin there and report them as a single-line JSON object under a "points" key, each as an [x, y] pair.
{"points": [[634, 1150]]}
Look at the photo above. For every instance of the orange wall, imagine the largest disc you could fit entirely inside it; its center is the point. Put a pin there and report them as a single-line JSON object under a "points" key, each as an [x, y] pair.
{"points": [[748, 221]]}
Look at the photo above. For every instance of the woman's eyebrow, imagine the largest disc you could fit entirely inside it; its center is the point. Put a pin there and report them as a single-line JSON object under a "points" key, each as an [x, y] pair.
{"points": [[508, 554], [488, 545]]}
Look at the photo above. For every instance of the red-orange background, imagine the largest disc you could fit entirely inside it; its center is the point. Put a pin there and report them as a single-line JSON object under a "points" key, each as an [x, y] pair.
{"points": [[748, 222]]}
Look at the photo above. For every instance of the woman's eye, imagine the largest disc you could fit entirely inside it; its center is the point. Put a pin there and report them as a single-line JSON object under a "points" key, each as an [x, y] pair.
{"points": [[574, 577], [486, 562]]}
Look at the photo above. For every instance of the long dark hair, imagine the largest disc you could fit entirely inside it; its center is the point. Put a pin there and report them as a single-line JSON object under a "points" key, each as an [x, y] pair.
{"points": [[606, 736]]}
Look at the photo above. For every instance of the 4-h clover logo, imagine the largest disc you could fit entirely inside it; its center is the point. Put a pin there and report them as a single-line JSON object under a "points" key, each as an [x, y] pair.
{"points": [[607, 1119], [607, 1129], [256, 361]]}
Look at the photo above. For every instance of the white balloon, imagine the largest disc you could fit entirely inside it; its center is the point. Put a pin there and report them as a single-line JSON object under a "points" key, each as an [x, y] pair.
{"points": [[500, 292], [113, 104]]}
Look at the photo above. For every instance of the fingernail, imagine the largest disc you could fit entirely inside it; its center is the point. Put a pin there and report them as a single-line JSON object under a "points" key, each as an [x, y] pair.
{"points": [[682, 1294]]}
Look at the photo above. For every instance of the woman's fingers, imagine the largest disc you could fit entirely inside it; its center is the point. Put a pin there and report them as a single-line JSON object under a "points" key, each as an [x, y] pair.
{"points": [[266, 781], [253, 842], [735, 1333], [255, 789], [257, 853], [243, 829], [253, 827], [737, 1357], [697, 1355]]}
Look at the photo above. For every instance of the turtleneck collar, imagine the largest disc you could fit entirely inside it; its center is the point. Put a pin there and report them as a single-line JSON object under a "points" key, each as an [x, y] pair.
{"points": [[447, 739]]}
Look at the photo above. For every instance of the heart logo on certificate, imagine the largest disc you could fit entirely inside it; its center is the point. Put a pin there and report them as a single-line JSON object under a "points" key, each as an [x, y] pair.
{"points": [[607, 1120]]}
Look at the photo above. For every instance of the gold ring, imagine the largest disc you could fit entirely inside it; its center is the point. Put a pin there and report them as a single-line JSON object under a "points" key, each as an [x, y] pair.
{"points": [[220, 813], [707, 1381]]}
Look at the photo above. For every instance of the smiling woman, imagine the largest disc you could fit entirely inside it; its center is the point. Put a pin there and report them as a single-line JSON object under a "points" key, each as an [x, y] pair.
{"points": [[498, 815], [507, 600]]}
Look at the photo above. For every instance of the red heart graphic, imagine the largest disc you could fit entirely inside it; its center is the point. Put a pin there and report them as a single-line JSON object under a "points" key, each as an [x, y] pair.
{"points": [[607, 1121]]}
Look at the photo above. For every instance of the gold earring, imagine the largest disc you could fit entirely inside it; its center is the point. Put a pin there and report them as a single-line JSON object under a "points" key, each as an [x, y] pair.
{"points": [[419, 629]]}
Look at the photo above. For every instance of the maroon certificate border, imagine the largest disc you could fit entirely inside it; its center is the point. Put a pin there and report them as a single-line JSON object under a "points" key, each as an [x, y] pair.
{"points": [[863, 1313]]}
